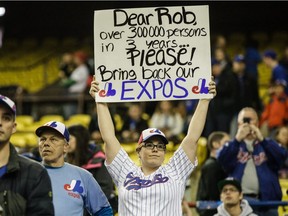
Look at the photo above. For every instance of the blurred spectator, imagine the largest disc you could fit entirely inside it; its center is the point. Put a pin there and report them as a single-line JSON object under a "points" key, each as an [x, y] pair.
{"points": [[255, 161], [252, 58], [247, 89], [275, 113], [90, 157], [168, 120], [221, 56], [232, 199], [281, 137], [223, 107], [133, 124], [284, 60], [93, 128], [66, 66], [77, 82], [278, 71], [211, 173]]}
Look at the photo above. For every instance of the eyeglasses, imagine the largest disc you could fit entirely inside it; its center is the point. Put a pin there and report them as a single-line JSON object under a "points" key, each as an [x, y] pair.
{"points": [[151, 146], [229, 189]]}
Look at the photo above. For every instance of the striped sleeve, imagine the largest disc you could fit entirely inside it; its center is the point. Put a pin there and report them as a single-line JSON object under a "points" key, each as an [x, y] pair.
{"points": [[180, 165], [120, 166]]}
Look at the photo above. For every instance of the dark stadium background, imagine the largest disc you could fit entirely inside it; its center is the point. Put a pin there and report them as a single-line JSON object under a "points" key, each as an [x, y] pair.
{"points": [[75, 18]]}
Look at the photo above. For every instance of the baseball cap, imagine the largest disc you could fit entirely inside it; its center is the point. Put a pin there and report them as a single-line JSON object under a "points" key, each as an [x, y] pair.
{"points": [[57, 126], [239, 58], [280, 82], [8, 102], [150, 132], [270, 53], [229, 181]]}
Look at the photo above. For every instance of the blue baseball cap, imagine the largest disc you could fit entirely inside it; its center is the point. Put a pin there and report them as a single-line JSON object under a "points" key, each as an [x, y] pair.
{"points": [[239, 58], [270, 53], [57, 126], [8, 103]]}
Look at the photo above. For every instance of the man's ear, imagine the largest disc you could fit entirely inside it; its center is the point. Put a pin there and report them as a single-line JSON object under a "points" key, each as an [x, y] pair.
{"points": [[66, 146], [14, 128]]}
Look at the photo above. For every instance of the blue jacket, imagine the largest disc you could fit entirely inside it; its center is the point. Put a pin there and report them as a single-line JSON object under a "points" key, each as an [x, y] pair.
{"points": [[268, 158]]}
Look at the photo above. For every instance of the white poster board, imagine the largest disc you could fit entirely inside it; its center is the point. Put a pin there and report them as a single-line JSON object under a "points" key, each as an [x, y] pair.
{"points": [[152, 54]]}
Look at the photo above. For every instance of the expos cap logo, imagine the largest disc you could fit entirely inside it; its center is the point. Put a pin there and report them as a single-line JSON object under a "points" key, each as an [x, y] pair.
{"points": [[107, 91], [8, 102], [74, 186], [201, 87], [60, 127]]}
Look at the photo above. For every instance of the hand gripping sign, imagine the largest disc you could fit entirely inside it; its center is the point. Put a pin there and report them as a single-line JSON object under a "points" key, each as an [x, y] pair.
{"points": [[146, 54]]}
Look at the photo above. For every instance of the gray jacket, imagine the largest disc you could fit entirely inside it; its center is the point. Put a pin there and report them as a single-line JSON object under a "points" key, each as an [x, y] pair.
{"points": [[246, 210]]}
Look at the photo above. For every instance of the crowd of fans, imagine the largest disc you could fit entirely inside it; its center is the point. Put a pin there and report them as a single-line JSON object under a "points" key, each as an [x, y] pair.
{"points": [[231, 128]]}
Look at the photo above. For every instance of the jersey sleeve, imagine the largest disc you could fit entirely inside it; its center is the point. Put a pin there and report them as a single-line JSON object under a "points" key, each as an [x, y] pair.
{"points": [[96, 200], [180, 165], [120, 166]]}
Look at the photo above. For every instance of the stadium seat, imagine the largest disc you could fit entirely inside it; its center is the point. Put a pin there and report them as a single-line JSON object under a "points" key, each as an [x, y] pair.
{"points": [[283, 210], [18, 140], [83, 119], [47, 118], [26, 120]]}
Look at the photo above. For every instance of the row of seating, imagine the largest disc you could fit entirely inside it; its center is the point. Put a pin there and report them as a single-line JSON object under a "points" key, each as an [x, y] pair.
{"points": [[25, 136]]}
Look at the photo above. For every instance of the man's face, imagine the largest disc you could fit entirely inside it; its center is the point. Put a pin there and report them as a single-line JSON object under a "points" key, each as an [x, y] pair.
{"points": [[52, 147], [230, 195], [7, 124]]}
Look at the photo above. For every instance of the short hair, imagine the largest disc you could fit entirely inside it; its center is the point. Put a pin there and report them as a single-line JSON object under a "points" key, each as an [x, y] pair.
{"points": [[215, 136], [249, 109]]}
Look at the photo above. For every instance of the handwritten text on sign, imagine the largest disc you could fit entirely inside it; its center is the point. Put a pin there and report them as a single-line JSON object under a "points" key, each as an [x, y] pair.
{"points": [[149, 54]]}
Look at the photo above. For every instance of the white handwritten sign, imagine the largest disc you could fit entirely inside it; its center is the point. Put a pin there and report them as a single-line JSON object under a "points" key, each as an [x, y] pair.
{"points": [[152, 54]]}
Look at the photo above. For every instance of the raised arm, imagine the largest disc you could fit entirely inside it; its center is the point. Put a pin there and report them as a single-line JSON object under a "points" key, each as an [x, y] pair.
{"points": [[196, 125], [106, 126]]}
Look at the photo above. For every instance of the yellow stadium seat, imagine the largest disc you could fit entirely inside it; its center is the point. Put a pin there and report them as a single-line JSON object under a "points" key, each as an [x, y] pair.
{"points": [[202, 150], [283, 210], [25, 120], [47, 118], [18, 140], [31, 139], [83, 119], [118, 122], [130, 148]]}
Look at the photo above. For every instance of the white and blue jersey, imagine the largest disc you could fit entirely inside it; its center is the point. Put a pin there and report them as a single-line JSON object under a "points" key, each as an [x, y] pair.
{"points": [[159, 193]]}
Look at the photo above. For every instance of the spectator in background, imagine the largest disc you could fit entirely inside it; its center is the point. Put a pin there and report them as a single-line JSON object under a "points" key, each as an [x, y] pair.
{"points": [[275, 113], [91, 157], [133, 124], [278, 71], [252, 58], [25, 186], [284, 60], [66, 66], [168, 120], [281, 136], [223, 107], [93, 128], [247, 89], [233, 203], [77, 82], [74, 188], [255, 161], [211, 173]]}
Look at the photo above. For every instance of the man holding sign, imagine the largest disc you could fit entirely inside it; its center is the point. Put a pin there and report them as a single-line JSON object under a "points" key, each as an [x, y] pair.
{"points": [[153, 188]]}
